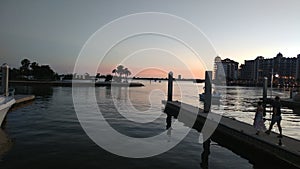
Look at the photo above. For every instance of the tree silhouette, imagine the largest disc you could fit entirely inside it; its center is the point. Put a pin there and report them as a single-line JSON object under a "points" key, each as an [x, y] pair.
{"points": [[34, 69], [25, 63], [120, 70], [98, 75], [25, 67], [127, 73], [108, 78], [114, 71]]}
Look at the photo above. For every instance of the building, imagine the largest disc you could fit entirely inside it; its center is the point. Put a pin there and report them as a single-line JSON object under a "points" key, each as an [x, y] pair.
{"points": [[286, 69], [225, 70], [179, 77]]}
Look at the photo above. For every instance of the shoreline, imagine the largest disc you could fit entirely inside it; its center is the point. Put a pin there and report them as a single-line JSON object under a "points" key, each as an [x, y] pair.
{"points": [[76, 83]]}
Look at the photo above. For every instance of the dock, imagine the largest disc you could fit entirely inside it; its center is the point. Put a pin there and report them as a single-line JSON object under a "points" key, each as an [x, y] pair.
{"points": [[263, 150], [22, 101], [240, 137], [23, 98]]}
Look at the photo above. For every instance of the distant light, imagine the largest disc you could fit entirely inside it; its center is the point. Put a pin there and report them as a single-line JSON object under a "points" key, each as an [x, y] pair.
{"points": [[276, 75]]}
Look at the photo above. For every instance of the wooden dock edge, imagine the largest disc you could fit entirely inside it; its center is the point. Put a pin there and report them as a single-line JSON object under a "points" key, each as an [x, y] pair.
{"points": [[22, 101]]}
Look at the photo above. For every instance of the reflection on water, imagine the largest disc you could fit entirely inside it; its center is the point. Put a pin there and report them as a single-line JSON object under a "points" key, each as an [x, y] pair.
{"points": [[47, 133], [205, 154], [43, 90], [5, 143], [240, 103]]}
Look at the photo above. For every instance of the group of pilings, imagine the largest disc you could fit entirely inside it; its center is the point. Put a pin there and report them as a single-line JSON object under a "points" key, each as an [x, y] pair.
{"points": [[207, 89]]}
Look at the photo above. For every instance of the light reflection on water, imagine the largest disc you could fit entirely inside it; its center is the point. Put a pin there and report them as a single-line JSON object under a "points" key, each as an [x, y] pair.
{"points": [[240, 103], [47, 133]]}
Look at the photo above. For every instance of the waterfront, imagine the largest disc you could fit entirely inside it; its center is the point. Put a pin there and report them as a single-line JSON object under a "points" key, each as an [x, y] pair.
{"points": [[47, 134]]}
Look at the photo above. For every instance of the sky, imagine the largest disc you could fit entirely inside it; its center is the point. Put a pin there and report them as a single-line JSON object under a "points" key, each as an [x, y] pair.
{"points": [[57, 32]]}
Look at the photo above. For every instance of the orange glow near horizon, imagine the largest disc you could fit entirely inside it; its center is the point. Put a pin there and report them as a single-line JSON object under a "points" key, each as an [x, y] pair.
{"points": [[159, 73]]}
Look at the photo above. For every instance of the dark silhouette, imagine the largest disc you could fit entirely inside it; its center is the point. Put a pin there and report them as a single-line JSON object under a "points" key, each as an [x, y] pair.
{"points": [[24, 69], [120, 70], [276, 116], [259, 124], [32, 71], [205, 154], [169, 121], [98, 75], [108, 78], [68, 77], [114, 72], [127, 73]]}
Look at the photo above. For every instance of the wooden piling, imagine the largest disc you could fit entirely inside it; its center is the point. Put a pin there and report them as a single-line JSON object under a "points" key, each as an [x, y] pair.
{"points": [[5, 75], [207, 91], [291, 93], [265, 94], [170, 86]]}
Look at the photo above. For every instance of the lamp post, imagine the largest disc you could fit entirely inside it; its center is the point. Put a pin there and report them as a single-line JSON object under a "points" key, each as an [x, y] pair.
{"points": [[272, 79]]}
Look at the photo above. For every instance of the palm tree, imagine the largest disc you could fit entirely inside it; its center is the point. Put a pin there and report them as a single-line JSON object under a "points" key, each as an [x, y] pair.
{"points": [[25, 63], [127, 73], [114, 71], [25, 67], [120, 70]]}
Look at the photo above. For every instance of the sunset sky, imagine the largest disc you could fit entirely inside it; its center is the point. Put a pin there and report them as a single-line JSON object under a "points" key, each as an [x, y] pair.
{"points": [[54, 32]]}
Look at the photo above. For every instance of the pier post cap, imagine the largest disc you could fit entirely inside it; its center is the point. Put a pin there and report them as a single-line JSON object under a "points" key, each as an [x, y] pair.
{"points": [[171, 73]]}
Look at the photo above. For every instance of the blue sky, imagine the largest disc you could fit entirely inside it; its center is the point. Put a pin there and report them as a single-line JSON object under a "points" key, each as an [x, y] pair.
{"points": [[54, 32]]}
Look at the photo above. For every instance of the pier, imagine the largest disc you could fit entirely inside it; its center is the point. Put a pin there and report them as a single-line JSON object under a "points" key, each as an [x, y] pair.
{"points": [[22, 101], [238, 136]]}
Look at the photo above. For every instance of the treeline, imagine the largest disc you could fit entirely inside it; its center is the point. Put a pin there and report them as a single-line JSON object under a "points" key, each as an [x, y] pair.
{"points": [[32, 71]]}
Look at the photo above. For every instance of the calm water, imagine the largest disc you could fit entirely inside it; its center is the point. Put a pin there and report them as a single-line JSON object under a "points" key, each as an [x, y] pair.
{"points": [[47, 134]]}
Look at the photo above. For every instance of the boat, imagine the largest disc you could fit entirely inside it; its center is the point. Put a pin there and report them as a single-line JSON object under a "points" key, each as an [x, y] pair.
{"points": [[5, 104]]}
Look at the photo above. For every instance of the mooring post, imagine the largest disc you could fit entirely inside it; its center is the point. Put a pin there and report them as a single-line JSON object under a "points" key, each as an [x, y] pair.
{"points": [[169, 121], [291, 93], [265, 88], [170, 86], [170, 94], [5, 74], [207, 91]]}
